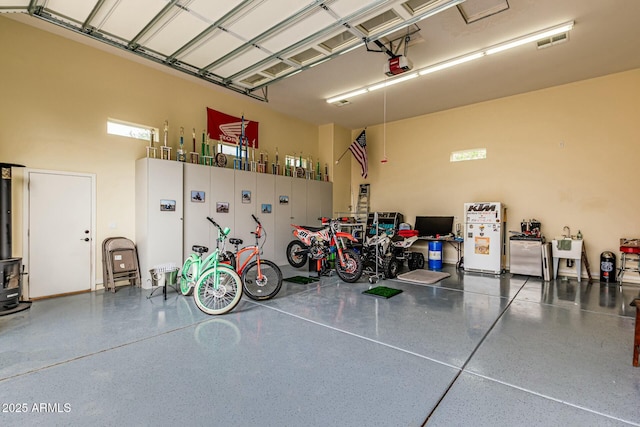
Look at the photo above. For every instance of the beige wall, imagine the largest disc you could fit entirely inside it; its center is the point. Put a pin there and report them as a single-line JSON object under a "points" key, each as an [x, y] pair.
{"points": [[57, 95], [333, 142], [565, 156]]}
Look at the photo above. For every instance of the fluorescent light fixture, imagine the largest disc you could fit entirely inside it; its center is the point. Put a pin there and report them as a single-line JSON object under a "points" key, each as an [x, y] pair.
{"points": [[563, 28], [392, 82], [543, 34], [450, 63]]}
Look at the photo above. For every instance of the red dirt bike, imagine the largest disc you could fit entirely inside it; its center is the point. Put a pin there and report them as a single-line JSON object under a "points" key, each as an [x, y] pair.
{"points": [[318, 243]]}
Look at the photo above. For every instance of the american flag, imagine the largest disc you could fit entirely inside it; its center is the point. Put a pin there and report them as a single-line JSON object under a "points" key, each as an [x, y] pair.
{"points": [[359, 150]]}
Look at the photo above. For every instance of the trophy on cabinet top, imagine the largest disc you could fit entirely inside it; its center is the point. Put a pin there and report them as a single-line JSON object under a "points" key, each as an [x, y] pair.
{"points": [[194, 157], [237, 161], [254, 164], [262, 167], [207, 158], [151, 149], [165, 150], [265, 162], [275, 167], [309, 170], [180, 155]]}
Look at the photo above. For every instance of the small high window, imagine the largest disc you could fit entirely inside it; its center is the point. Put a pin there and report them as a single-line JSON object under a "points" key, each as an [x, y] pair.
{"points": [[131, 130], [295, 161], [228, 150], [473, 154]]}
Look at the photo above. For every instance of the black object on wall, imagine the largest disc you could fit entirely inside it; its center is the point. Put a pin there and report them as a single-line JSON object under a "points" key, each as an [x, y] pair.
{"points": [[10, 268], [5, 211]]}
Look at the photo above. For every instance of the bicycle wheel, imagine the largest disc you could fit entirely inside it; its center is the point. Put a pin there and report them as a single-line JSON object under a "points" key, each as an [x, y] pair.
{"points": [[218, 290], [187, 276], [265, 287]]}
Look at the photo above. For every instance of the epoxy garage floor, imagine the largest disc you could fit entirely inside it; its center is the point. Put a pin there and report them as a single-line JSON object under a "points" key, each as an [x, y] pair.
{"points": [[473, 349]]}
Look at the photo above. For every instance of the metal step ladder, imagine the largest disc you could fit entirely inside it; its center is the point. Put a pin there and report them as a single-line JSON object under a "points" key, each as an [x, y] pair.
{"points": [[362, 207]]}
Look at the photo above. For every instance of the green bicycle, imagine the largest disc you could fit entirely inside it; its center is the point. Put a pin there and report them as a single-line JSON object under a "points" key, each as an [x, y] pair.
{"points": [[216, 287], [194, 265]]}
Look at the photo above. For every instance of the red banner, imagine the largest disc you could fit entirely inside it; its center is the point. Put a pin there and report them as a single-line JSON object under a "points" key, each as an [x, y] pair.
{"points": [[228, 129]]}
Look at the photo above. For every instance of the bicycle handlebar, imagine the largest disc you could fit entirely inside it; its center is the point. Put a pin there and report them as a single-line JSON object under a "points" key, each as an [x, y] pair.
{"points": [[216, 224], [220, 230], [259, 230]]}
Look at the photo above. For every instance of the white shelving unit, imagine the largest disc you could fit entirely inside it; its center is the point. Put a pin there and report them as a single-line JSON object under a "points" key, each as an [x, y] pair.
{"points": [[159, 213], [165, 234]]}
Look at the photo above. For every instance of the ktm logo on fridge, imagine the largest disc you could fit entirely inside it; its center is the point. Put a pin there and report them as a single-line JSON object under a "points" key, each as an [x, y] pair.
{"points": [[482, 207]]}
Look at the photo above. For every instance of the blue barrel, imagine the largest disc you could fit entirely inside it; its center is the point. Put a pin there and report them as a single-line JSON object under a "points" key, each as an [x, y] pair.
{"points": [[435, 255]]}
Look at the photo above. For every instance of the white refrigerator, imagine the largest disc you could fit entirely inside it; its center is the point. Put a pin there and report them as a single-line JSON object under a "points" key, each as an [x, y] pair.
{"points": [[484, 237]]}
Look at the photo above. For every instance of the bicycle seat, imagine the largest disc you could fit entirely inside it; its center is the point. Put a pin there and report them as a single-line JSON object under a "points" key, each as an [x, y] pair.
{"points": [[235, 241], [199, 249]]}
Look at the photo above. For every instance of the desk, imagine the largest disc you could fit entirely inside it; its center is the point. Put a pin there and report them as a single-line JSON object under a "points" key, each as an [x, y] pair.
{"points": [[456, 243]]}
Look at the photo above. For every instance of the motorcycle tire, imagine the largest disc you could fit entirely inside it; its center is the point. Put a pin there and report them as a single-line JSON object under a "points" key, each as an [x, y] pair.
{"points": [[352, 271], [297, 254]]}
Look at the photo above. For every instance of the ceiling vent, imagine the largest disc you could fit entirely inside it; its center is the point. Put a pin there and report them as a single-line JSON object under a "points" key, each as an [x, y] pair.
{"points": [[341, 103], [552, 41]]}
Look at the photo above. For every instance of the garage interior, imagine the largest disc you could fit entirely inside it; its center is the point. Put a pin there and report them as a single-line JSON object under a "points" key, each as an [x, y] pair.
{"points": [[556, 116]]}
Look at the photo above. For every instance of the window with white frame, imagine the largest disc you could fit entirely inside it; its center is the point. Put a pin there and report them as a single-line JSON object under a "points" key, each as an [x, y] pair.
{"points": [[131, 130], [294, 161], [473, 154]]}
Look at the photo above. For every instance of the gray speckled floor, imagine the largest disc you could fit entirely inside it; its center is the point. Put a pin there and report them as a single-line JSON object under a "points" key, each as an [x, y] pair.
{"points": [[472, 349]]}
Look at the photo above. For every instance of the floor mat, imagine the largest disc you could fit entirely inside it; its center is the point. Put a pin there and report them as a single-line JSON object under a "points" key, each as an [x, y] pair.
{"points": [[301, 280], [382, 292], [423, 277]]}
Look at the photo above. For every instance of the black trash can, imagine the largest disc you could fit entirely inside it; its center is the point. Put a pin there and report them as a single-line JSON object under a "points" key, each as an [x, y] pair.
{"points": [[607, 267]]}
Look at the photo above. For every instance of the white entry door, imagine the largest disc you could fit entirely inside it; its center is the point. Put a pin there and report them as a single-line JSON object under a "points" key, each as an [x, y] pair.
{"points": [[60, 233]]}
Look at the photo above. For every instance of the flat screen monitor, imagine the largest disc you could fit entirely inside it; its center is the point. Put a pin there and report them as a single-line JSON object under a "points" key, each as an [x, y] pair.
{"points": [[431, 226]]}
